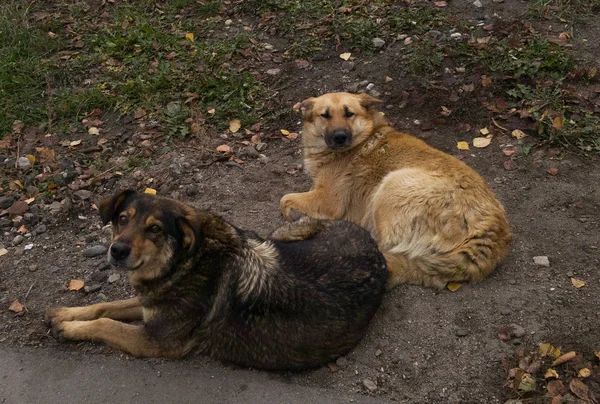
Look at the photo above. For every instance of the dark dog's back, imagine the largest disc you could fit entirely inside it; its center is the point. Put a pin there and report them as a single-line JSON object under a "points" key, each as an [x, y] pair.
{"points": [[315, 307]]}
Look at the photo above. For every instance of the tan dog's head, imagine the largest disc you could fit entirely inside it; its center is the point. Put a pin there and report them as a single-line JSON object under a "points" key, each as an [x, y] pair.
{"points": [[337, 120], [149, 233]]}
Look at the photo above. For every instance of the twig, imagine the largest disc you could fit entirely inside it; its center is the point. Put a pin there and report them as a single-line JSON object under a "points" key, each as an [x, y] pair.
{"points": [[29, 291]]}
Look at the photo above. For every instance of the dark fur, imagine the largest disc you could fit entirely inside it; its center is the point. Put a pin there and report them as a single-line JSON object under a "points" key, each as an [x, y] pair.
{"points": [[308, 305]]}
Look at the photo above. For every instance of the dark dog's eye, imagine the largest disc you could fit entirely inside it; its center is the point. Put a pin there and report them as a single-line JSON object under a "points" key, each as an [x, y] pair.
{"points": [[155, 229], [123, 220], [326, 115]]}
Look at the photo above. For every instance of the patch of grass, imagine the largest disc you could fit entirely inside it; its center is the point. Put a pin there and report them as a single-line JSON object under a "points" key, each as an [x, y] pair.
{"points": [[567, 10], [425, 57]]}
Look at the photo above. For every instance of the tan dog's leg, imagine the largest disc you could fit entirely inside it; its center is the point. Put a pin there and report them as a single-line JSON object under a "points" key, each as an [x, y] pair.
{"points": [[127, 310], [132, 339], [314, 203]]}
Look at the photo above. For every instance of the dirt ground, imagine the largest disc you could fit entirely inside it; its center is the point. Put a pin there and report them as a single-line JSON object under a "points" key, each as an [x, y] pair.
{"points": [[423, 346]]}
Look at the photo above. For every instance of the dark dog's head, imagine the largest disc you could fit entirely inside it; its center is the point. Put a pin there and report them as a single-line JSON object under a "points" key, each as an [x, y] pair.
{"points": [[338, 120], [149, 232]]}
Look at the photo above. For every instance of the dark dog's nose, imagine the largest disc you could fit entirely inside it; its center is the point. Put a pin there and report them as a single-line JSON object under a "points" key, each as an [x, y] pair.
{"points": [[119, 251], [338, 139]]}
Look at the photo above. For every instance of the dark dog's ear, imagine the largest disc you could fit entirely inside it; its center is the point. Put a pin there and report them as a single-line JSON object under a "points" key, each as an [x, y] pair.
{"points": [[191, 232], [366, 101], [109, 206], [306, 107]]}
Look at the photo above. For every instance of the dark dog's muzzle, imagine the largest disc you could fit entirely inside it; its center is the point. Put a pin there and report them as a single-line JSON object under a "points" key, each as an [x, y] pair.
{"points": [[119, 251], [338, 139]]}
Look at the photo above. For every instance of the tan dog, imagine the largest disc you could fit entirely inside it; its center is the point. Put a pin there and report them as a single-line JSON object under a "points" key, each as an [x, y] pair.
{"points": [[434, 218]]}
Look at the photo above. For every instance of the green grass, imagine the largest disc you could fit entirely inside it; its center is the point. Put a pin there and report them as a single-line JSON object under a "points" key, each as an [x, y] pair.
{"points": [[566, 10]]}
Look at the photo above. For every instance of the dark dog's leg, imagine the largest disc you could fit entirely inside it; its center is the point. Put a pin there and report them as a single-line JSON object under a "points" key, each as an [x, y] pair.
{"points": [[127, 310], [129, 338]]}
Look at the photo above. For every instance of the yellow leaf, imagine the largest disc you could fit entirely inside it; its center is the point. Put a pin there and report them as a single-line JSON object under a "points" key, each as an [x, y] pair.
{"points": [[550, 374], [527, 383], [16, 307], [564, 358], [585, 372], [190, 36], [93, 130], [211, 111], [558, 122], [481, 142], [597, 354], [453, 286], [18, 183], [519, 134], [284, 132], [577, 283], [3, 251], [150, 191], [549, 350], [76, 284], [346, 55], [28, 201], [234, 125], [75, 143], [484, 131], [31, 158], [462, 146]]}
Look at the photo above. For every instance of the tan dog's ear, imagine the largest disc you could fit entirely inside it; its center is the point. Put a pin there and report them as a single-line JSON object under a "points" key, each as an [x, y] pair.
{"points": [[109, 206], [366, 101], [191, 236], [306, 107]]}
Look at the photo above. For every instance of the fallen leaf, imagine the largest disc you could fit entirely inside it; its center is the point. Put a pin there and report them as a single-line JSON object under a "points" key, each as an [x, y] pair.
{"points": [[234, 125], [453, 286], [481, 142], [18, 208], [564, 358], [292, 136], [93, 130], [18, 184], [284, 132], [76, 284], [597, 355], [150, 191], [75, 143], [3, 251], [563, 36], [484, 131], [211, 111], [46, 155], [485, 81], [190, 36], [585, 372], [52, 35], [558, 122], [31, 158], [549, 350], [224, 149], [239, 161], [140, 113], [22, 229], [446, 111], [552, 171], [509, 151], [345, 56], [555, 387], [519, 134], [577, 283], [16, 306], [550, 374], [440, 4], [527, 383], [255, 139], [579, 389], [101, 141], [462, 146]]}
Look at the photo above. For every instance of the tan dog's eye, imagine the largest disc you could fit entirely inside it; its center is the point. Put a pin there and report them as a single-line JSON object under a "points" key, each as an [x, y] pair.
{"points": [[123, 220], [155, 229], [326, 115], [349, 114]]}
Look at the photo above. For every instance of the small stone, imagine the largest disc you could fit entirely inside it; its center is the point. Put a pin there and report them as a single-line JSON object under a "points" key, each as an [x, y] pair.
{"points": [[228, 22], [408, 41], [363, 83], [456, 35], [40, 229], [5, 223], [261, 146], [262, 159], [28, 247], [518, 331], [570, 274], [510, 165], [6, 202], [95, 251], [505, 312], [378, 353], [113, 278], [375, 93], [18, 240], [91, 238], [388, 79], [462, 332], [83, 194], [342, 362], [378, 42], [541, 260], [249, 151], [273, 72], [370, 86], [434, 33], [477, 3], [92, 288], [512, 281], [33, 268], [347, 66], [370, 385], [23, 162], [351, 87]]}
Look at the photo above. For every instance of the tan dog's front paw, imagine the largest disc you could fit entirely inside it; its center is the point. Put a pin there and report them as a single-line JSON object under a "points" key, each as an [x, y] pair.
{"points": [[57, 315], [289, 208]]}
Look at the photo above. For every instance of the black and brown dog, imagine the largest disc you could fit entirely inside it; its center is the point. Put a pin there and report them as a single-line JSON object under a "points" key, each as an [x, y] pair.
{"points": [[301, 298]]}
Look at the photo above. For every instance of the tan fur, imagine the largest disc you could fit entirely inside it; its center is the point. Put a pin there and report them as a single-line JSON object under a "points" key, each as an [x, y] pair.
{"points": [[435, 219]]}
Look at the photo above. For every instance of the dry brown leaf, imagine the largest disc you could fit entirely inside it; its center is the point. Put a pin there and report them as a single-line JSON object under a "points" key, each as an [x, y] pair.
{"points": [[558, 122], [585, 372], [440, 4], [577, 283], [76, 284], [16, 306], [224, 149], [292, 136], [550, 374], [563, 36], [486, 81], [549, 350], [150, 191], [46, 155], [527, 383], [519, 134], [453, 286], [555, 387], [211, 111], [579, 389], [446, 111], [481, 142], [564, 358], [75, 143], [345, 56], [597, 355], [462, 146], [234, 125]]}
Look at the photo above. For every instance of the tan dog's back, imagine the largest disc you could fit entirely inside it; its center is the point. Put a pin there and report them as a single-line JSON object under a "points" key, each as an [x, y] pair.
{"points": [[435, 218]]}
